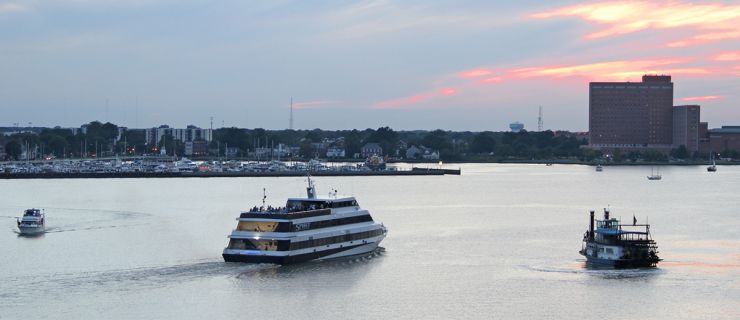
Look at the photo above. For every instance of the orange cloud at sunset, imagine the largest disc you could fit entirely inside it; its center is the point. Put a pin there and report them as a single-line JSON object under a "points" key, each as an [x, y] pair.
{"points": [[704, 38], [474, 73], [416, 99], [624, 17], [701, 98], [728, 56], [612, 70]]}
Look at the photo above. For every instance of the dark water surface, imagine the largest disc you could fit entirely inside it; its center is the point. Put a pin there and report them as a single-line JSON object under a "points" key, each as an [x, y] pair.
{"points": [[500, 241]]}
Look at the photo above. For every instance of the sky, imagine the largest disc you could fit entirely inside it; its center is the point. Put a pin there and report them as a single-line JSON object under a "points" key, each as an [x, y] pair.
{"points": [[453, 65]]}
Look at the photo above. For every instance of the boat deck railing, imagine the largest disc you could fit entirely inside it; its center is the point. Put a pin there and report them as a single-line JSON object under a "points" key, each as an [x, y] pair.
{"points": [[285, 214]]}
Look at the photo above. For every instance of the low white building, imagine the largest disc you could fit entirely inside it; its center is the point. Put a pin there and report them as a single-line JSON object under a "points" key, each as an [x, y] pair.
{"points": [[335, 153]]}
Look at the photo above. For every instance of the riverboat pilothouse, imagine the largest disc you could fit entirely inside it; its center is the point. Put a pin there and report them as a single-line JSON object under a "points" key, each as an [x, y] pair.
{"points": [[305, 229], [612, 244]]}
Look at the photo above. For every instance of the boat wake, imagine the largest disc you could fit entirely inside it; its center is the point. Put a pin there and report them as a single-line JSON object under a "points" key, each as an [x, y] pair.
{"points": [[580, 267], [343, 263], [121, 279]]}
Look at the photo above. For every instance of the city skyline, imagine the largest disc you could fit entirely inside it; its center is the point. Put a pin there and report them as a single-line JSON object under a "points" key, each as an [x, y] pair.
{"points": [[418, 65]]}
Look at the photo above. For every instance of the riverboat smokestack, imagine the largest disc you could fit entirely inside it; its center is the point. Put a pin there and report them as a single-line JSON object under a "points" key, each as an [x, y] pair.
{"points": [[591, 227], [606, 214]]}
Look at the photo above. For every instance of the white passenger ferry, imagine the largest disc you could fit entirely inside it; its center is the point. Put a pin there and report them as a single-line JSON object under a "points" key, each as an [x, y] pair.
{"points": [[305, 229], [32, 222]]}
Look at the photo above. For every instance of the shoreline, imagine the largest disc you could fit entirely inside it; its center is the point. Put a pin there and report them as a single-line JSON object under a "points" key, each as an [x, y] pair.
{"points": [[130, 175]]}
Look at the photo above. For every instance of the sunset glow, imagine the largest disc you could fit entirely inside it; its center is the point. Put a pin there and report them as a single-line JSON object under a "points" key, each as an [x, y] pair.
{"points": [[702, 98], [624, 17], [313, 104], [728, 56], [416, 99], [611, 70], [474, 73]]}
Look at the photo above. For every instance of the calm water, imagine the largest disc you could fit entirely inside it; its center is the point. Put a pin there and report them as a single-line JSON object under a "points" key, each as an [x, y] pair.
{"points": [[500, 241]]}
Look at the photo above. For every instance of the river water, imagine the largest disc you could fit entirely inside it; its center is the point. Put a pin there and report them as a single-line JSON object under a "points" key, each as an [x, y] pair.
{"points": [[499, 241]]}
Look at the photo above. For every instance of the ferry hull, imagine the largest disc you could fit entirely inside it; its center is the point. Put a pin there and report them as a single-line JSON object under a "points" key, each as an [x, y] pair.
{"points": [[318, 255], [621, 263]]}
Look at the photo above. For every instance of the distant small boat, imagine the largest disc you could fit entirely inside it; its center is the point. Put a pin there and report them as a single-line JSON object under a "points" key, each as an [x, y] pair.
{"points": [[713, 167], [32, 222], [599, 168], [549, 164], [654, 176]]}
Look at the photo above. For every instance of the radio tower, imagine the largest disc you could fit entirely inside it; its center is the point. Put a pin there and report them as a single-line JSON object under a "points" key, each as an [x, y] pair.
{"points": [[539, 120], [291, 113]]}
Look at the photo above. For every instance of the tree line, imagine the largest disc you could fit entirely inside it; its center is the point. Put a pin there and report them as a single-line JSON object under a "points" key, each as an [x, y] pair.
{"points": [[105, 139]]}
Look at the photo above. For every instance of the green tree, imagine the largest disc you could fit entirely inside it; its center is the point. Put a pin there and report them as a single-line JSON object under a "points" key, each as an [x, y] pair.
{"points": [[13, 150], [484, 142], [681, 152]]}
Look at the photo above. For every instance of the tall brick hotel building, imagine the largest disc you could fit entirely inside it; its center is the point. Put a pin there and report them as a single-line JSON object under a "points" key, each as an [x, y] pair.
{"points": [[631, 114], [634, 116]]}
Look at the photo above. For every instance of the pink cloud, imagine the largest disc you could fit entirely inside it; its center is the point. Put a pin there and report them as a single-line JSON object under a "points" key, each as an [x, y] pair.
{"points": [[447, 92], [701, 98], [474, 73], [415, 100], [704, 38], [613, 70], [624, 17], [728, 56], [313, 104], [491, 80]]}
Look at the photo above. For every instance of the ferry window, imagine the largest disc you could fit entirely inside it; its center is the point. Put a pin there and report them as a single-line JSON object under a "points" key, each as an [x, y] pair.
{"points": [[609, 250], [258, 226]]}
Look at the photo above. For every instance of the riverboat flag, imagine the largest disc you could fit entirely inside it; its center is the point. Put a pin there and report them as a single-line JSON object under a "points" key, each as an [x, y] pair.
{"points": [[634, 220]]}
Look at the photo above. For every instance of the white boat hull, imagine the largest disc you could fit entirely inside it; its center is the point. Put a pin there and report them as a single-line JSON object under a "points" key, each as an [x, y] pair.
{"points": [[31, 229]]}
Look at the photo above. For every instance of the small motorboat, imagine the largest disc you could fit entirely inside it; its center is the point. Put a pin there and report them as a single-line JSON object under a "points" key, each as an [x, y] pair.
{"points": [[32, 222]]}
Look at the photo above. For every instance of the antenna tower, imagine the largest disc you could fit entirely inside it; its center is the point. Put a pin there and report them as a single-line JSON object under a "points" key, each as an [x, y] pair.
{"points": [[539, 120], [291, 113]]}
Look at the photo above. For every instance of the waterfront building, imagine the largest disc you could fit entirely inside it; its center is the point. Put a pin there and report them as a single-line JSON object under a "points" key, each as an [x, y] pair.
{"points": [[191, 133], [631, 114], [686, 127], [370, 149], [516, 126], [196, 148], [335, 153], [421, 152], [724, 139]]}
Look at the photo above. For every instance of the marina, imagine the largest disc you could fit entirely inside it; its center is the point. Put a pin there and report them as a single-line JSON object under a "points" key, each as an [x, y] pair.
{"points": [[185, 168]]}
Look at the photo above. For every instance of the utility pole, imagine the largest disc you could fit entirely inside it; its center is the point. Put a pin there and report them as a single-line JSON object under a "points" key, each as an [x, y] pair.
{"points": [[291, 113], [539, 120]]}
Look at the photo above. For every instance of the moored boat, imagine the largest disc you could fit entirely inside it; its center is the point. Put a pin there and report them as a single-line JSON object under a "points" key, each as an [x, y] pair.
{"points": [[612, 244], [32, 222], [713, 167], [654, 175], [305, 229]]}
